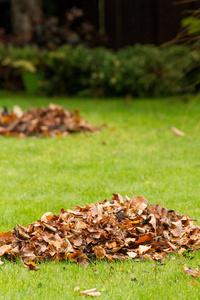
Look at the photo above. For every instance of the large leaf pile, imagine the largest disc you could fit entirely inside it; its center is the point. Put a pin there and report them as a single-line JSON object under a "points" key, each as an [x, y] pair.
{"points": [[52, 121], [116, 229]]}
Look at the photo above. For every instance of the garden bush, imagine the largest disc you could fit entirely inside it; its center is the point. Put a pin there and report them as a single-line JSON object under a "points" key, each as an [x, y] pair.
{"points": [[140, 70]]}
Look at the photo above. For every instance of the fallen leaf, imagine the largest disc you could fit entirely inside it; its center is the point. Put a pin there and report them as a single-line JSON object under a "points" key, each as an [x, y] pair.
{"points": [[76, 255], [4, 249], [47, 216], [159, 256], [177, 131], [153, 221], [132, 254], [76, 288], [192, 272], [31, 265], [194, 283], [49, 227], [21, 231], [17, 111], [177, 231], [143, 249], [86, 292], [94, 294], [78, 242], [99, 252]]}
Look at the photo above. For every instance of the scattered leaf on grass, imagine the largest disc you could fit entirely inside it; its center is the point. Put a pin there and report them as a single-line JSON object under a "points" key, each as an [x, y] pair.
{"points": [[91, 292], [177, 131], [76, 288], [94, 294], [194, 283], [192, 272]]}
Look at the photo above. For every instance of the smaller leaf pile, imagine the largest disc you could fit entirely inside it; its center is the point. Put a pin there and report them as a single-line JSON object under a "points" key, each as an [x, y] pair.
{"points": [[42, 122], [116, 229]]}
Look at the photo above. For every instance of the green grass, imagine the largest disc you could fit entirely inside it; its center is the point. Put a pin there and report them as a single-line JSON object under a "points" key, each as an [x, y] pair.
{"points": [[136, 152]]}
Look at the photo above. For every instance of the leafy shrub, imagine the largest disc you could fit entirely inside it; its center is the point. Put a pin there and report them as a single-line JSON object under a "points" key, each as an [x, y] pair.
{"points": [[142, 70], [68, 69]]}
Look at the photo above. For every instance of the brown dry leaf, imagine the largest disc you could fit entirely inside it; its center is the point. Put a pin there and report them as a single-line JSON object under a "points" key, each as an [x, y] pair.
{"points": [[143, 249], [17, 111], [192, 272], [153, 221], [182, 250], [81, 225], [69, 247], [31, 265], [94, 294], [47, 216], [140, 203], [49, 227], [76, 255], [91, 292], [194, 283], [4, 249], [27, 254], [143, 239], [5, 235], [132, 254], [99, 252], [177, 131], [159, 256], [141, 229], [87, 291], [21, 231], [177, 231], [78, 242]]}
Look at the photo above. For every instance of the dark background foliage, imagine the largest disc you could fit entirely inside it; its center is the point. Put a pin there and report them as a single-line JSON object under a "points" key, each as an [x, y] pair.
{"points": [[123, 22]]}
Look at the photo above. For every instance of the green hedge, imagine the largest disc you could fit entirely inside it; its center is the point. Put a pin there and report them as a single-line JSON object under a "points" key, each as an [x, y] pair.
{"points": [[141, 70]]}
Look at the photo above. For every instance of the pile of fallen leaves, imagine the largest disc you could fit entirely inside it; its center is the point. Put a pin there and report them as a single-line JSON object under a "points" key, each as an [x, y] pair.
{"points": [[116, 229], [52, 121]]}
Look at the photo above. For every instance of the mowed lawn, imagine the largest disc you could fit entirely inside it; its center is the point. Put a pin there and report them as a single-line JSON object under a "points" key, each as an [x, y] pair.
{"points": [[136, 152]]}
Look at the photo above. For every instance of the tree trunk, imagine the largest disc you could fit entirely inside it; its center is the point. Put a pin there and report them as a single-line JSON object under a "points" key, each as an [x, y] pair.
{"points": [[25, 13]]}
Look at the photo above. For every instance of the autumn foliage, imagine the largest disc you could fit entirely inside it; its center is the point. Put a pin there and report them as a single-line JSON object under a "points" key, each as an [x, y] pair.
{"points": [[52, 121], [115, 229]]}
